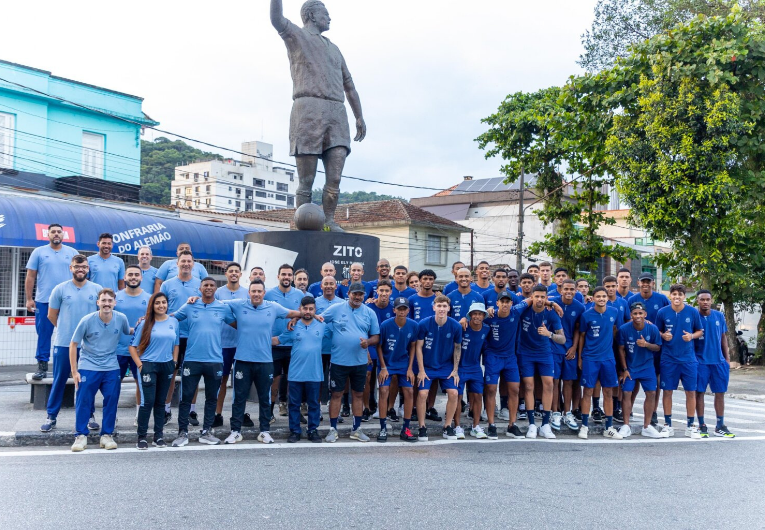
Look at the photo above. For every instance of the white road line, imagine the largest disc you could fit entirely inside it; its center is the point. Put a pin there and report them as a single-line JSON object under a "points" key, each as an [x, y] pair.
{"points": [[596, 440]]}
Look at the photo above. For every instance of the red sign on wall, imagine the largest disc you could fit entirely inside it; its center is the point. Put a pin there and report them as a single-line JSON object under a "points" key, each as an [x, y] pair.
{"points": [[21, 321], [42, 233]]}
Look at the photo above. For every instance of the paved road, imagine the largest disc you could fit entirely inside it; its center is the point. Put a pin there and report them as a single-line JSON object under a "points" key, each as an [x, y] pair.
{"points": [[675, 483]]}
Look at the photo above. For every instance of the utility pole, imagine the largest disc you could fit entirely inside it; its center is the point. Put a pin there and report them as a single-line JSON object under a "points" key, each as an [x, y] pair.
{"points": [[519, 246], [472, 253]]}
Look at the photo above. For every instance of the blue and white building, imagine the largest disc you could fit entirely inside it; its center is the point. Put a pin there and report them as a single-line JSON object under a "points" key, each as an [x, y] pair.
{"points": [[68, 136]]}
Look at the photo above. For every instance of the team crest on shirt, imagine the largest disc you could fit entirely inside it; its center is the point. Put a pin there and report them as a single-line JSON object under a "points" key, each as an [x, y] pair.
{"points": [[245, 312], [186, 371], [656, 306], [611, 319], [96, 333], [239, 375], [143, 302], [90, 297], [573, 313], [688, 320], [717, 323], [116, 331], [448, 335]]}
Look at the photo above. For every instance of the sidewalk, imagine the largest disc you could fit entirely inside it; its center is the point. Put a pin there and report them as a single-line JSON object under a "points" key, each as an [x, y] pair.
{"points": [[20, 424]]}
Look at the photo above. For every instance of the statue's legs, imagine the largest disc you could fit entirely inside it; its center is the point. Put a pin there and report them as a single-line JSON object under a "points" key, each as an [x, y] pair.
{"points": [[306, 168], [334, 162]]}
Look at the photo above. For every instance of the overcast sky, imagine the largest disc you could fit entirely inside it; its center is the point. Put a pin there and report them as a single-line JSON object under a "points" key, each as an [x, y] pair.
{"points": [[426, 71]]}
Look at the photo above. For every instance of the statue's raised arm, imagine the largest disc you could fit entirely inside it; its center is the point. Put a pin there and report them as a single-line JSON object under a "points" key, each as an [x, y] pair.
{"points": [[277, 15]]}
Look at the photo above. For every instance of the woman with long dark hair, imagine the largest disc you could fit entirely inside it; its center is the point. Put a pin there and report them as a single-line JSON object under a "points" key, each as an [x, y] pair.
{"points": [[155, 351]]}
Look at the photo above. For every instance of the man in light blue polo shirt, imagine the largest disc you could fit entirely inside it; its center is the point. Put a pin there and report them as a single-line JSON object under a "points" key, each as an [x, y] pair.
{"points": [[328, 298], [253, 363], [306, 373], [231, 291], [97, 369], [132, 302], [178, 290], [106, 269], [149, 273], [204, 358], [69, 302], [169, 269], [354, 329], [49, 266], [288, 297]]}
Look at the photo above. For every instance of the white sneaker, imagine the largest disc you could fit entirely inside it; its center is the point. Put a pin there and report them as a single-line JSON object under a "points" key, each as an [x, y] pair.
{"points": [[208, 438], [532, 432], [460, 432], [612, 433], [668, 431], [359, 435], [484, 417], [693, 433], [571, 421], [546, 432], [477, 432], [400, 411], [376, 415], [651, 432], [504, 414], [625, 431], [555, 420], [233, 438], [583, 431], [265, 437], [80, 443], [331, 436], [107, 442]]}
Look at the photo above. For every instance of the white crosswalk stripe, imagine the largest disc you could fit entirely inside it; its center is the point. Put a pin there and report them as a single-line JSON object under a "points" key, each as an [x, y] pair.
{"points": [[741, 417]]}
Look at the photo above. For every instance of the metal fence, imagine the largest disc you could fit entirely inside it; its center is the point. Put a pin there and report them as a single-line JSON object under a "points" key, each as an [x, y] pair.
{"points": [[18, 338]]}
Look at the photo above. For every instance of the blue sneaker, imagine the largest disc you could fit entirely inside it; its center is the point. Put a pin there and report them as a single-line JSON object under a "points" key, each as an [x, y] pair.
{"points": [[49, 425], [93, 424]]}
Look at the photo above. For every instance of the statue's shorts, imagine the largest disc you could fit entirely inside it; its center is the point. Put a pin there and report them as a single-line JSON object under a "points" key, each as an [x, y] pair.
{"points": [[317, 125]]}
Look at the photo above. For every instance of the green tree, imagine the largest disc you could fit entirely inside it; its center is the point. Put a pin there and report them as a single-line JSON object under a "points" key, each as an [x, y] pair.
{"points": [[533, 132], [354, 196], [158, 162], [686, 146], [618, 24]]}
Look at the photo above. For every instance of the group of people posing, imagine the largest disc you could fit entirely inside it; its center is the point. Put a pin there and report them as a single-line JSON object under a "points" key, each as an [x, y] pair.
{"points": [[549, 345]]}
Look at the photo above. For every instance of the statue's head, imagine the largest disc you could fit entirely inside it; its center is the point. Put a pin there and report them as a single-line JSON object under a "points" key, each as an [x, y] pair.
{"points": [[315, 11]]}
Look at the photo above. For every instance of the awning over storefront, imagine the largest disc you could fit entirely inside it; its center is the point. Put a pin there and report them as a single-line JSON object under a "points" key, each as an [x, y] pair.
{"points": [[24, 223]]}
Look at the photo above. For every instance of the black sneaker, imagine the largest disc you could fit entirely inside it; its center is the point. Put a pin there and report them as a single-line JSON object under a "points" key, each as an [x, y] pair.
{"points": [[193, 418], [294, 438], [414, 414], [578, 414], [514, 432], [432, 415], [463, 407], [366, 415], [470, 414], [218, 421], [619, 416], [346, 412], [704, 431], [314, 437], [382, 436], [168, 416], [246, 422], [42, 371], [392, 416], [491, 432], [654, 419], [597, 415], [423, 435], [159, 443], [406, 435], [142, 444], [449, 433], [723, 432]]}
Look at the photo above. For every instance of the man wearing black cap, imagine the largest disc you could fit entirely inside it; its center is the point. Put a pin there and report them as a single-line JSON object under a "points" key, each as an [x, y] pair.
{"points": [[354, 329], [653, 301], [398, 337]]}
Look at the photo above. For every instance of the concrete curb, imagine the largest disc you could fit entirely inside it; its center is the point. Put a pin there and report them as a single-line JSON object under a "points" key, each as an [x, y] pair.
{"points": [[60, 438]]}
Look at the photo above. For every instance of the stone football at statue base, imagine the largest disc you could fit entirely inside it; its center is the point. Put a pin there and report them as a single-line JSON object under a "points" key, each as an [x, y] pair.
{"points": [[309, 217]]}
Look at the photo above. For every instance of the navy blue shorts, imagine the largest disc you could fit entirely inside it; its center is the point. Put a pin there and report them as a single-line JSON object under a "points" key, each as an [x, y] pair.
{"points": [[714, 376], [646, 378], [473, 379], [228, 360], [125, 361], [603, 371], [495, 366], [444, 381], [536, 365], [565, 369], [673, 373], [402, 380]]}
